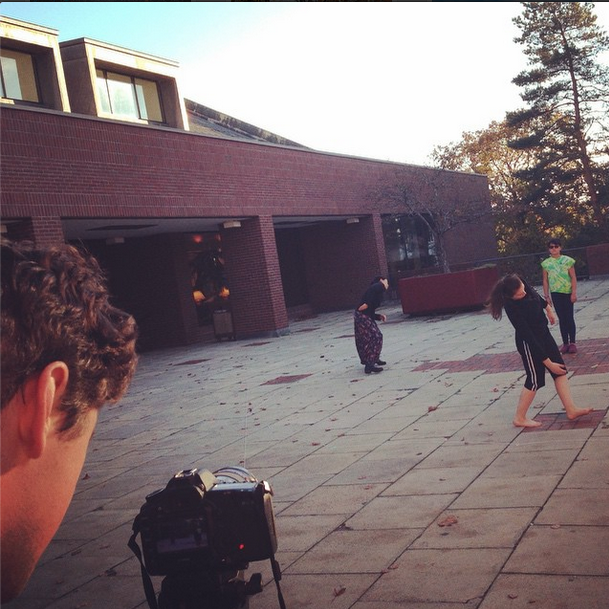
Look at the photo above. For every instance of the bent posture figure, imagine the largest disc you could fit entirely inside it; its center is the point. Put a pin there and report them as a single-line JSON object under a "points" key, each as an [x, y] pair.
{"points": [[527, 311], [368, 336]]}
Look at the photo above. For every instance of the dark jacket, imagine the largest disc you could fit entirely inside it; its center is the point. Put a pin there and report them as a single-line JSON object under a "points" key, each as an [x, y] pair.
{"points": [[373, 297], [530, 322]]}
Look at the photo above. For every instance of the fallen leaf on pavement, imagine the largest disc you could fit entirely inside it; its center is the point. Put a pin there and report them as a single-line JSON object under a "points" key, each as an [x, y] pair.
{"points": [[448, 521], [339, 591]]}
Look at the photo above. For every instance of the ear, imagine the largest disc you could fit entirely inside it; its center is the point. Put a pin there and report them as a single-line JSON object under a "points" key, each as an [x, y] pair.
{"points": [[42, 396]]}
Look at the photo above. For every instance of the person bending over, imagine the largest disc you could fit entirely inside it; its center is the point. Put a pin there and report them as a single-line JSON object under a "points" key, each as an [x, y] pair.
{"points": [[368, 336], [527, 310]]}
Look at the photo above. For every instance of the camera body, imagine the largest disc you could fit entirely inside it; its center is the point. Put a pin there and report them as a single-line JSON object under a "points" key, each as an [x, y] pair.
{"points": [[204, 521]]}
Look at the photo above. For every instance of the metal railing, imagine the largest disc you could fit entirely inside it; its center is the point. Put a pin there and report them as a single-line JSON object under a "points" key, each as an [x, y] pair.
{"points": [[529, 265], [526, 265]]}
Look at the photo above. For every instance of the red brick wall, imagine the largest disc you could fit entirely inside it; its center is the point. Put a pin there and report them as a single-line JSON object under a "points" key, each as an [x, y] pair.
{"points": [[341, 259], [44, 231], [598, 259], [60, 164], [252, 269]]}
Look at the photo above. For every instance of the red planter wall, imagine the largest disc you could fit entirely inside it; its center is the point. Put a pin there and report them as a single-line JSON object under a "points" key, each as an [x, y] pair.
{"points": [[598, 259], [447, 292]]}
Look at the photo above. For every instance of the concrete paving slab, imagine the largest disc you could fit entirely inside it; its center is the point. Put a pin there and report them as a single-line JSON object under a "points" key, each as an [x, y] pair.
{"points": [[521, 464], [547, 592], [433, 481], [492, 492], [463, 455], [576, 506], [395, 512], [477, 528], [335, 591], [335, 499], [587, 473], [378, 549], [439, 576], [552, 550]]}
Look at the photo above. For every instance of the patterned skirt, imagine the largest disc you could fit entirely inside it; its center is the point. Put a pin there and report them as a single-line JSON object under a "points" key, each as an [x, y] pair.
{"points": [[368, 338]]}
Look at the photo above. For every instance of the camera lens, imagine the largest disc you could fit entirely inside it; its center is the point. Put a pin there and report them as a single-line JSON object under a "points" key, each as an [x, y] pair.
{"points": [[234, 474]]}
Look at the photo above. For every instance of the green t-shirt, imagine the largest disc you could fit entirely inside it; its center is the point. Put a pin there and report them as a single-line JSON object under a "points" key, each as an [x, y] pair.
{"points": [[558, 273]]}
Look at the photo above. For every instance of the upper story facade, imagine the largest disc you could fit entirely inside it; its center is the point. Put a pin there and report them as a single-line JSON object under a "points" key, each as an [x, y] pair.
{"points": [[87, 77]]}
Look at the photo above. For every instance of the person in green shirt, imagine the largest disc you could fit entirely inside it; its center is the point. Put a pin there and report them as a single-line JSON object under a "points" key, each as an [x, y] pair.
{"points": [[560, 289]]}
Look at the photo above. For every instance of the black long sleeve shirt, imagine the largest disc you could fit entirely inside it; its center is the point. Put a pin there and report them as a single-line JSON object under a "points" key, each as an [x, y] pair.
{"points": [[529, 320], [373, 297]]}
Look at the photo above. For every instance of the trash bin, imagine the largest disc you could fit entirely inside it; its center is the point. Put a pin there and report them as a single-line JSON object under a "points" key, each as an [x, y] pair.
{"points": [[223, 324]]}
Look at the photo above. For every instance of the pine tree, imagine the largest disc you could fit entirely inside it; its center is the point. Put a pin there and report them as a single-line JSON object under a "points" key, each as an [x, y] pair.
{"points": [[567, 117]]}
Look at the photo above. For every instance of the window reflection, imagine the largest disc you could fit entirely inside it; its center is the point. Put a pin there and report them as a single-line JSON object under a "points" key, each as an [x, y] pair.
{"points": [[17, 76], [409, 245], [124, 96], [208, 280]]}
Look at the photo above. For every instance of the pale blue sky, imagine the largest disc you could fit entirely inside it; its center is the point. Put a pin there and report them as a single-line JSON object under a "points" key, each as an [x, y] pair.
{"points": [[381, 80]]}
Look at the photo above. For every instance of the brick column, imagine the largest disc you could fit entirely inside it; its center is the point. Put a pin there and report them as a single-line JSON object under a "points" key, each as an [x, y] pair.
{"points": [[341, 259], [42, 230], [254, 278]]}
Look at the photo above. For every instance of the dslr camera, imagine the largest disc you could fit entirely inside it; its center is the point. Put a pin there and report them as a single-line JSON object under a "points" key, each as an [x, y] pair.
{"points": [[201, 531]]}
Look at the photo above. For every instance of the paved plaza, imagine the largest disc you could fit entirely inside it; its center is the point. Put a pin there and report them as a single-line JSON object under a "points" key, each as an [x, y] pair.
{"points": [[408, 489]]}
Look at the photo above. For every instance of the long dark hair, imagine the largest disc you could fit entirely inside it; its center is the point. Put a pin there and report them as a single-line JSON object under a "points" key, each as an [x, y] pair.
{"points": [[502, 290]]}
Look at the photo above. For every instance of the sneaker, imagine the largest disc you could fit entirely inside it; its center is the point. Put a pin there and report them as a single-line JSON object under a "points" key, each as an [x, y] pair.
{"points": [[564, 349], [572, 348], [381, 363], [374, 369]]}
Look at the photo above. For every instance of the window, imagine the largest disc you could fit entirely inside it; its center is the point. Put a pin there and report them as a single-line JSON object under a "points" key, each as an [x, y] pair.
{"points": [[409, 245], [124, 96], [18, 77]]}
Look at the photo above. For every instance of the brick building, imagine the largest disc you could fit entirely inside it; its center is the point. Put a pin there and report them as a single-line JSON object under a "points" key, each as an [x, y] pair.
{"points": [[188, 210]]}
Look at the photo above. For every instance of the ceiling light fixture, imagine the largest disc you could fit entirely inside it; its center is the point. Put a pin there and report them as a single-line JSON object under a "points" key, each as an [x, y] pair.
{"points": [[231, 224]]}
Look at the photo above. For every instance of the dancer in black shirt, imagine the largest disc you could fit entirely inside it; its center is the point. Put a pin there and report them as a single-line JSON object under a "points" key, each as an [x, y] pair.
{"points": [[527, 311], [368, 336]]}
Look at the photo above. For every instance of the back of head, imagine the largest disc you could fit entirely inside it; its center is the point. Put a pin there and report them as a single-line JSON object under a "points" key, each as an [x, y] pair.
{"points": [[503, 290], [56, 307]]}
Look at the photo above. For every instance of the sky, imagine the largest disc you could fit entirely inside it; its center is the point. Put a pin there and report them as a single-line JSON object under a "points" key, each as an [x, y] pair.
{"points": [[382, 80]]}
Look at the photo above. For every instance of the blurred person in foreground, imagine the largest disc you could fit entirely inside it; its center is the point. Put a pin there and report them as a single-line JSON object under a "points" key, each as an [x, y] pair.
{"points": [[65, 351]]}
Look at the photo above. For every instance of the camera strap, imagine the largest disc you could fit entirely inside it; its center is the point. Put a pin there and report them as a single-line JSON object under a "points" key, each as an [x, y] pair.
{"points": [[277, 577], [148, 587]]}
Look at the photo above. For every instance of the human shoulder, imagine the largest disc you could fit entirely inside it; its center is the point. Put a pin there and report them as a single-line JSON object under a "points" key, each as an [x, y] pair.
{"points": [[567, 260]]}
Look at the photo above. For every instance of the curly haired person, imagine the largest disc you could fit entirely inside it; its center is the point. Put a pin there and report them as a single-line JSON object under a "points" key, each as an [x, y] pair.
{"points": [[66, 351]]}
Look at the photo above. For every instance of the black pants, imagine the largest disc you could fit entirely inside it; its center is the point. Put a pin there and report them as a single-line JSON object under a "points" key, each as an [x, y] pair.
{"points": [[566, 322]]}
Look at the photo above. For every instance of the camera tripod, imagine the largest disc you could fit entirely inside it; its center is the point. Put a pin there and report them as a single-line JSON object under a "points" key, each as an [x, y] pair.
{"points": [[209, 590]]}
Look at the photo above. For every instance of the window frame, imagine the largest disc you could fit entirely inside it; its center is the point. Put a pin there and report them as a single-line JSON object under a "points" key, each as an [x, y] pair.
{"points": [[108, 101], [33, 79]]}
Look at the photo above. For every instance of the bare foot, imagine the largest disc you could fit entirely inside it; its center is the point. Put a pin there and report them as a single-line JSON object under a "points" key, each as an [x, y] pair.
{"points": [[578, 412], [526, 423]]}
